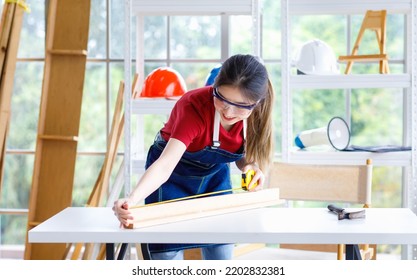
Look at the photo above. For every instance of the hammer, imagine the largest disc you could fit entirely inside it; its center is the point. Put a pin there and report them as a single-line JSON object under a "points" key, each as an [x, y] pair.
{"points": [[342, 214]]}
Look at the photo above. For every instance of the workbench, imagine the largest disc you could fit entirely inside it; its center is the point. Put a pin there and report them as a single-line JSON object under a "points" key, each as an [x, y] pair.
{"points": [[264, 225]]}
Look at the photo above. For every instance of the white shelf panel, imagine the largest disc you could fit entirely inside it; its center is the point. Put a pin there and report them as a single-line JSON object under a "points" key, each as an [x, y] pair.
{"points": [[343, 81], [138, 166], [192, 7], [322, 7], [143, 106], [333, 157]]}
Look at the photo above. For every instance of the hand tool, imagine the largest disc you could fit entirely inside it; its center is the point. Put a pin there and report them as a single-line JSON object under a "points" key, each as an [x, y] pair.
{"points": [[343, 214], [247, 178]]}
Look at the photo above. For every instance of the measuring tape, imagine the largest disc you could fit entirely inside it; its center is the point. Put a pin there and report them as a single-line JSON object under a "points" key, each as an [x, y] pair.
{"points": [[246, 179]]}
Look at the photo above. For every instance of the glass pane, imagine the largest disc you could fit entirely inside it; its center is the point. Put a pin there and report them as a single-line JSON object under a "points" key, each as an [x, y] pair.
{"points": [[330, 29], [87, 170], [377, 117], [25, 105], [117, 29], [241, 35], [195, 37], [274, 70], [315, 108], [194, 74], [18, 171], [144, 129], [13, 229], [93, 133], [386, 186], [97, 30], [33, 30], [116, 77], [373, 68], [395, 36], [155, 37], [271, 30]]}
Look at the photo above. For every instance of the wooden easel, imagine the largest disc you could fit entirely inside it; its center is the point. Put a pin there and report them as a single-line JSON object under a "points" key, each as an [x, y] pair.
{"points": [[374, 21]]}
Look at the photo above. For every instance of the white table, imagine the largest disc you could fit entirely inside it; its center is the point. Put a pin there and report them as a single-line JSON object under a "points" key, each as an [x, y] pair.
{"points": [[265, 225]]}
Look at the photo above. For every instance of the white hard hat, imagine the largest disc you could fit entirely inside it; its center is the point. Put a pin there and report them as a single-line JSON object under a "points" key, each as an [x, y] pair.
{"points": [[316, 58]]}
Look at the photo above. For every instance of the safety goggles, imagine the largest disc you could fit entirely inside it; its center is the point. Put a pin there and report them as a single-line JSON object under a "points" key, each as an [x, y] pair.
{"points": [[241, 107]]}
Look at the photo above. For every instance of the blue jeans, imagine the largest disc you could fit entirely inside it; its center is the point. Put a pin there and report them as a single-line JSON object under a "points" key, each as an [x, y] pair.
{"points": [[215, 252]]}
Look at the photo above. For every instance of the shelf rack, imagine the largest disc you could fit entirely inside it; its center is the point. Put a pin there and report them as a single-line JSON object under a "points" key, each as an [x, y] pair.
{"points": [[407, 81]]}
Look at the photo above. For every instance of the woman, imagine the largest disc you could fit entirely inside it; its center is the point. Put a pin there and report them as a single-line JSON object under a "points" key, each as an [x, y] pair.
{"points": [[208, 128]]}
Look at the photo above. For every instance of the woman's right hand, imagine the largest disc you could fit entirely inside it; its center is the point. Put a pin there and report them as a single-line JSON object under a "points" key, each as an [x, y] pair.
{"points": [[121, 211]]}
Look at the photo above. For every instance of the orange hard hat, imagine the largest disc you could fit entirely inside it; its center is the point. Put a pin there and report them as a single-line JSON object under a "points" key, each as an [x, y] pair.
{"points": [[163, 82]]}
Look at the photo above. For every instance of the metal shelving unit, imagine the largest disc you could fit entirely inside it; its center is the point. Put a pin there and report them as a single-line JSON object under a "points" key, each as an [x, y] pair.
{"points": [[406, 81]]}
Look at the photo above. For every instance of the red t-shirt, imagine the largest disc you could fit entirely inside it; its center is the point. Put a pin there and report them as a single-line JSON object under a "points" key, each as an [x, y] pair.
{"points": [[192, 119]]}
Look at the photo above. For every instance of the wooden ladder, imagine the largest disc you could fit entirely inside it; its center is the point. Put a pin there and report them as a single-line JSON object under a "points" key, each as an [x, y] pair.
{"points": [[59, 118], [375, 21]]}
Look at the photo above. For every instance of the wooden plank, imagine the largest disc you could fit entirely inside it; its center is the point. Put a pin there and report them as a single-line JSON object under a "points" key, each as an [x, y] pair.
{"points": [[152, 215], [113, 141], [6, 26], [311, 247], [364, 57], [58, 138], [68, 52], [2, 162], [11, 26]]}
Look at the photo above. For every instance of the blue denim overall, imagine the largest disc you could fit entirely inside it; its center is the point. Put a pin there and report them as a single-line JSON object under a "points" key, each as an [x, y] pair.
{"points": [[198, 172]]}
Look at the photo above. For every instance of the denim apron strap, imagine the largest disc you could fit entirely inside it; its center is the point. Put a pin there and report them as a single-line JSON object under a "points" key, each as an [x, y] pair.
{"points": [[216, 130]]}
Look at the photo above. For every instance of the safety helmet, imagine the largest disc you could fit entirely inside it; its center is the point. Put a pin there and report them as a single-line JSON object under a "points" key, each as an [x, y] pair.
{"points": [[316, 58], [163, 82], [212, 75]]}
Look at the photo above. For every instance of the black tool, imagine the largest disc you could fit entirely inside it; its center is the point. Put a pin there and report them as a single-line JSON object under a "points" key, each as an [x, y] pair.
{"points": [[343, 214]]}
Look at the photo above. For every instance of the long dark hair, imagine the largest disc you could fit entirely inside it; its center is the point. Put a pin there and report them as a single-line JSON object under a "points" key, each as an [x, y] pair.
{"points": [[249, 75]]}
